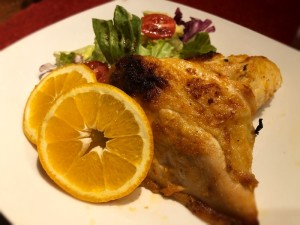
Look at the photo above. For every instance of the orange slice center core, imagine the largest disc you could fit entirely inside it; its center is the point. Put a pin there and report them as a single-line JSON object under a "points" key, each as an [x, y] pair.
{"points": [[98, 139]]}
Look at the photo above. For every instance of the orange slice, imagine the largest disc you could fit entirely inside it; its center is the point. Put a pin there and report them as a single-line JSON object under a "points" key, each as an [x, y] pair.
{"points": [[48, 90], [96, 143]]}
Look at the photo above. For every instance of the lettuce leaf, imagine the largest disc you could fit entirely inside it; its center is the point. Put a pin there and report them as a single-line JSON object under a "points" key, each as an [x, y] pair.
{"points": [[161, 48], [64, 57], [118, 37], [198, 45]]}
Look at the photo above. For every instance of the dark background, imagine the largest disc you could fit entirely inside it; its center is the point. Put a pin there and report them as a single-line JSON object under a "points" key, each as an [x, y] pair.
{"points": [[278, 19]]}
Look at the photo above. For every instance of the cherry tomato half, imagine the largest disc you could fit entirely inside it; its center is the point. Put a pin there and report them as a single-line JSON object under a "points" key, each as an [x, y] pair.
{"points": [[101, 70], [157, 26]]}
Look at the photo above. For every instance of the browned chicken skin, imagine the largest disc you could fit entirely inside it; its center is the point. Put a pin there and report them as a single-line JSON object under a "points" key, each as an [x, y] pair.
{"points": [[260, 74], [203, 135]]}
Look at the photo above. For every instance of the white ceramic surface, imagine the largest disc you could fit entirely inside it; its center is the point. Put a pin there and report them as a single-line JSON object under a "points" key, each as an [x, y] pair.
{"points": [[28, 197]]}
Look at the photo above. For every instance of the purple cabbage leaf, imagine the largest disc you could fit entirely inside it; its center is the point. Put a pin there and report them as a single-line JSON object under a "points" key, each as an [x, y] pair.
{"points": [[193, 26]]}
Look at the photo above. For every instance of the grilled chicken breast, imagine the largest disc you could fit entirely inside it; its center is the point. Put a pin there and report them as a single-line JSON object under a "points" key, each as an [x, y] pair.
{"points": [[260, 74], [203, 134]]}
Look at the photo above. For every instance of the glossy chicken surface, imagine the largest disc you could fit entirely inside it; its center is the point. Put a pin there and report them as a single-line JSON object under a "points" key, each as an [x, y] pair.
{"points": [[203, 135]]}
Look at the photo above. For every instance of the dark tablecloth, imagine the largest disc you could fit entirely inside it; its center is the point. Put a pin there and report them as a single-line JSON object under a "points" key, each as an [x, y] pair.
{"points": [[277, 19]]}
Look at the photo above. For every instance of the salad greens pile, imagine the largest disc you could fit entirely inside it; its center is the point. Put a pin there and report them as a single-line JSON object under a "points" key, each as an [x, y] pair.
{"points": [[122, 36]]}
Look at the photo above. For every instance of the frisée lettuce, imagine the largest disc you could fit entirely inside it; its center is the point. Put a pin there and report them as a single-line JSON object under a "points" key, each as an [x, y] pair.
{"points": [[122, 36]]}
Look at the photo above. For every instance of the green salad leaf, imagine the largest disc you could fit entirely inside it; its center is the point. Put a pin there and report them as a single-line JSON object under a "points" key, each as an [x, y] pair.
{"points": [[198, 45], [63, 58], [118, 37], [129, 27], [158, 49], [161, 48]]}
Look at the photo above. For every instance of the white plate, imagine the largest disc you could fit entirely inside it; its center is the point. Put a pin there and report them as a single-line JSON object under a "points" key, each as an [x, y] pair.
{"points": [[27, 196]]}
